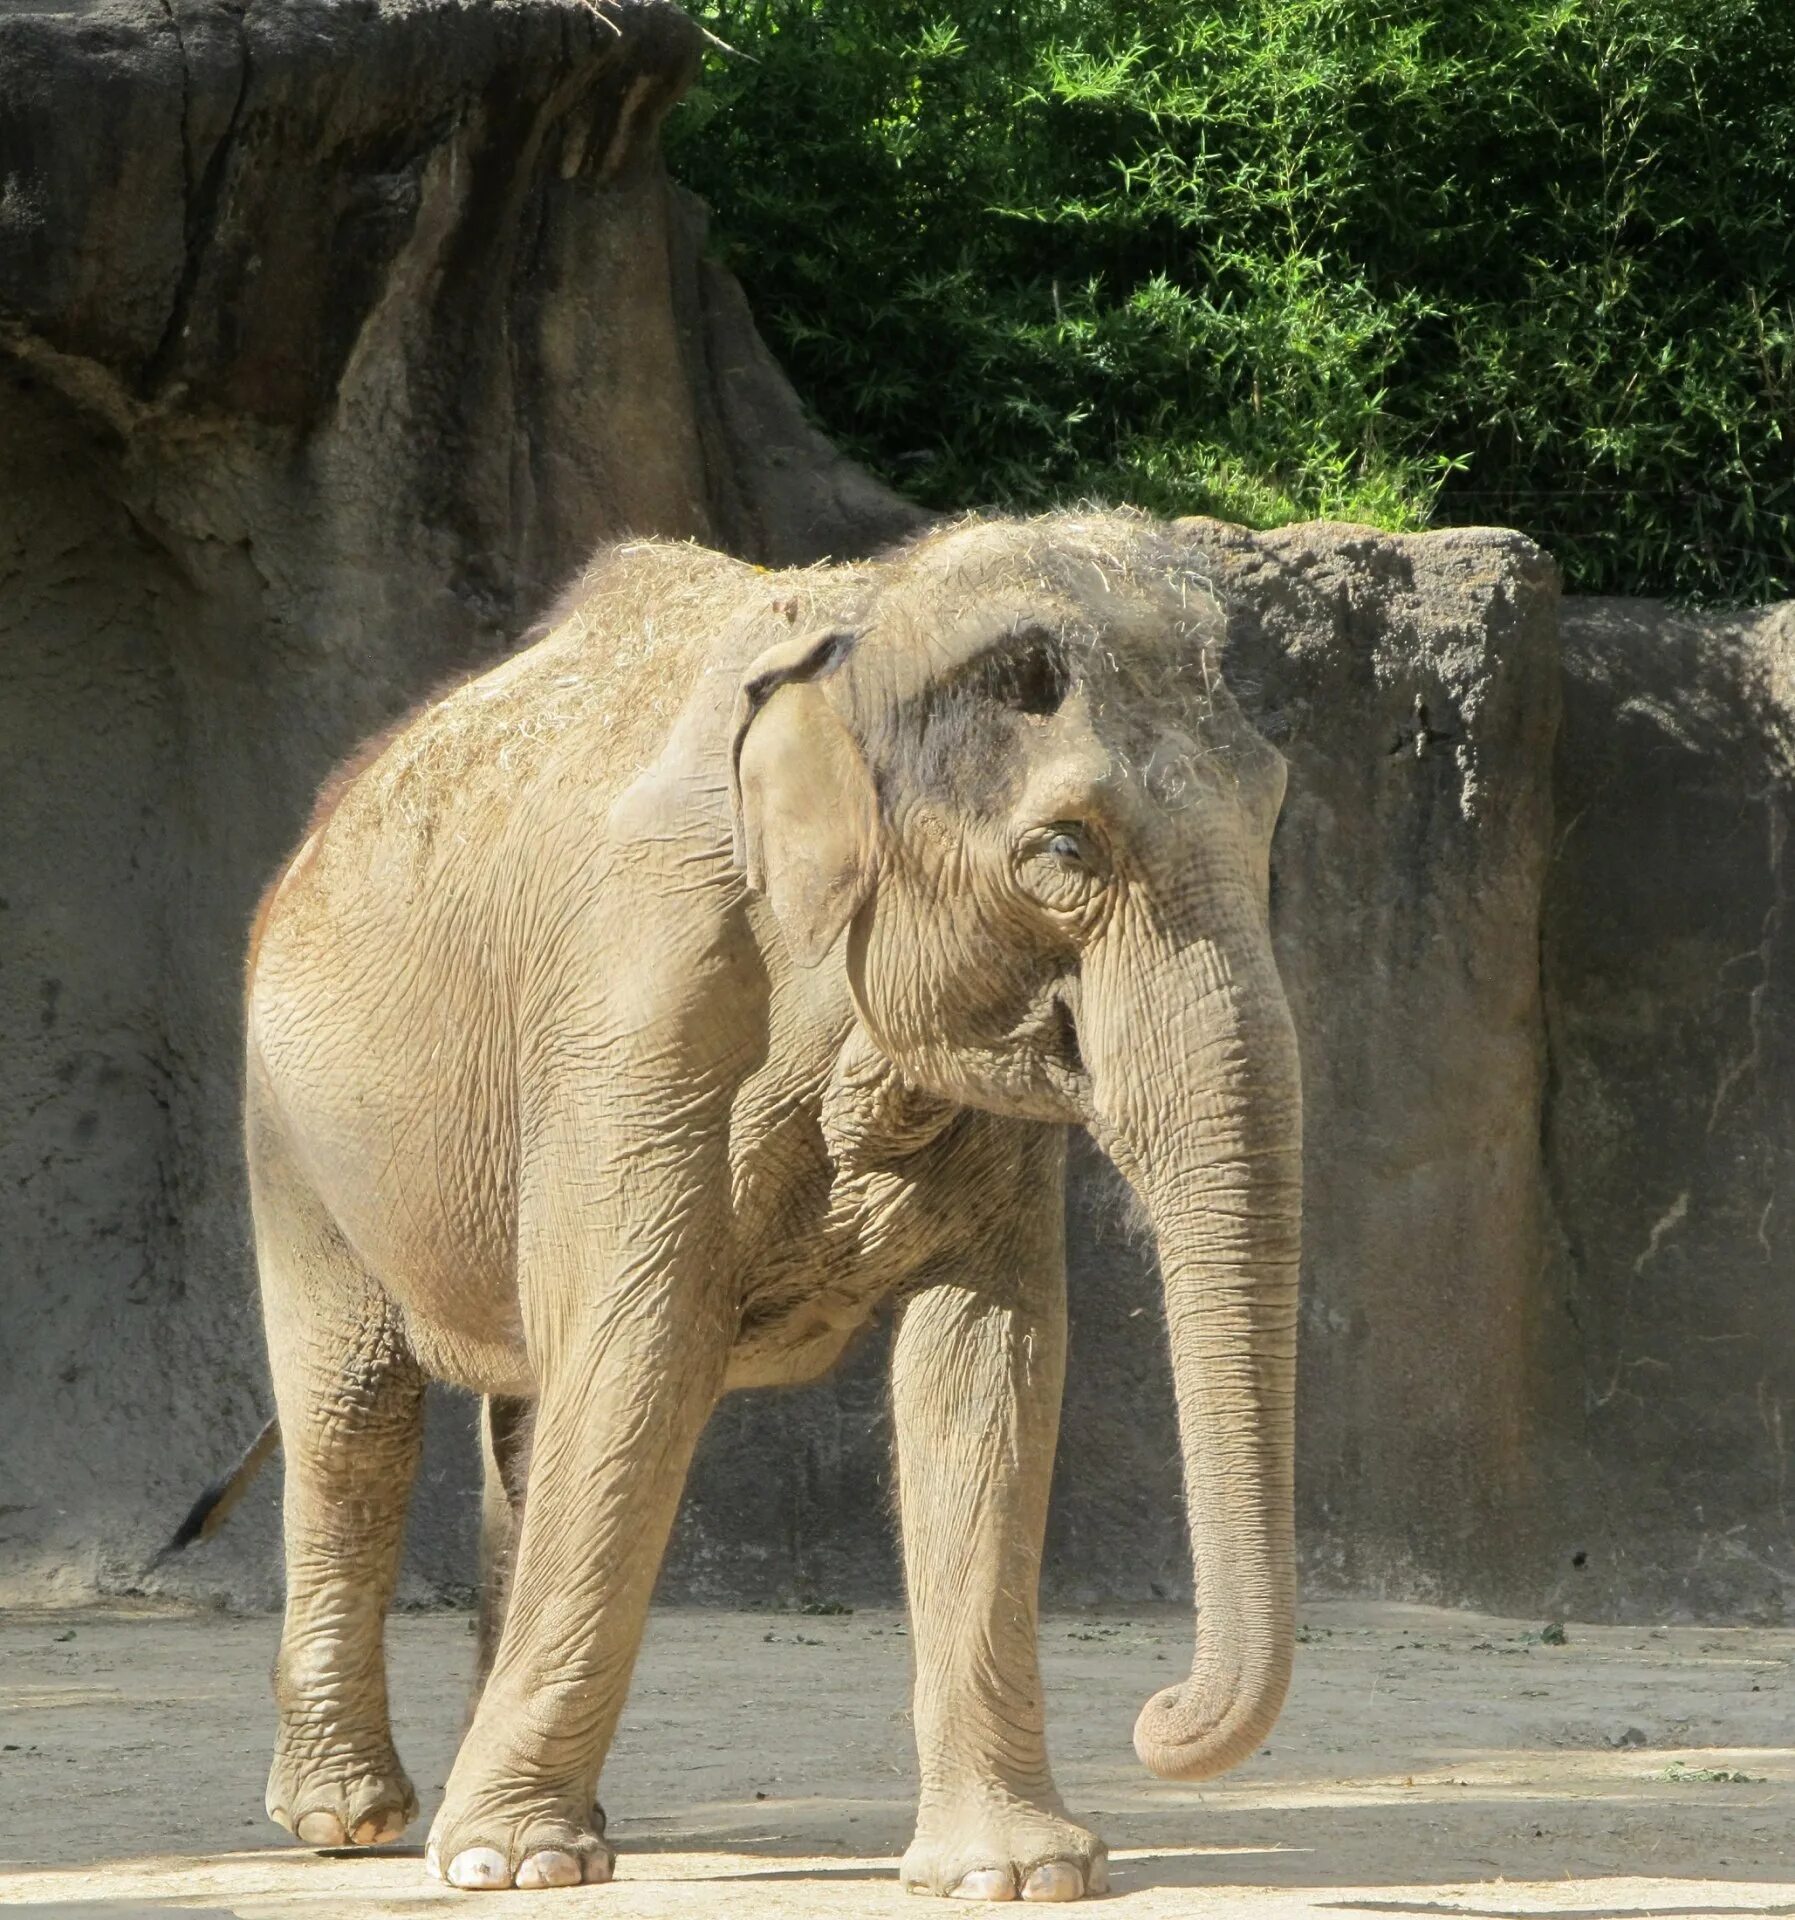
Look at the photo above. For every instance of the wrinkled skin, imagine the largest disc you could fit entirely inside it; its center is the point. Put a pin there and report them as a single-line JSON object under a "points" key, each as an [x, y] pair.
{"points": [[652, 1011]]}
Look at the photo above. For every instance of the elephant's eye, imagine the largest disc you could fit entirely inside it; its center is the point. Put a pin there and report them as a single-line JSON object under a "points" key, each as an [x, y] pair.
{"points": [[1061, 866]]}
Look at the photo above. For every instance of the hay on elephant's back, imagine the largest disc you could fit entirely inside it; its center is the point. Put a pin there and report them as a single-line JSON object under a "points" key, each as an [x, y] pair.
{"points": [[611, 665]]}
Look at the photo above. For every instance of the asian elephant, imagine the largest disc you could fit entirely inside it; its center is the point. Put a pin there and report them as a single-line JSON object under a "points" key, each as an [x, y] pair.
{"points": [[645, 1014]]}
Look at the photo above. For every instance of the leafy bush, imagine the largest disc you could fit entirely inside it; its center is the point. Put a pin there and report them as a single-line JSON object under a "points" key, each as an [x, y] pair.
{"points": [[1404, 261]]}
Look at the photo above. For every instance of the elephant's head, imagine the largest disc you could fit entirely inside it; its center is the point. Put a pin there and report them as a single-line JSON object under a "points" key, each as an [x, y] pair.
{"points": [[1018, 786]]}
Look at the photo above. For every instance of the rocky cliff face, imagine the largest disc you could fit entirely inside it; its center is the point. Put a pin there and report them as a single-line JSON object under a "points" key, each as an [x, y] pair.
{"points": [[1412, 685], [331, 338], [1668, 960]]}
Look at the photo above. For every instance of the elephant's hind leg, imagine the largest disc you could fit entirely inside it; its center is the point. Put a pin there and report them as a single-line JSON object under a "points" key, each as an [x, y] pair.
{"points": [[350, 1396]]}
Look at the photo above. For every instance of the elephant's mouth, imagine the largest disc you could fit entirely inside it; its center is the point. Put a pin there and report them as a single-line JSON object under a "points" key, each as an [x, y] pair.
{"points": [[1058, 1054], [1035, 1068], [1067, 1054]]}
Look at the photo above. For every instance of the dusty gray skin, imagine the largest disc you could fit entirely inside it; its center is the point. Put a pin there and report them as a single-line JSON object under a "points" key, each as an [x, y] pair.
{"points": [[650, 1012]]}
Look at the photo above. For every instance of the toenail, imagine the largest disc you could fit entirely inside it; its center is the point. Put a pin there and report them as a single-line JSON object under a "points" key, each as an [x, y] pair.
{"points": [[432, 1865], [320, 1829], [549, 1868], [1097, 1880], [479, 1867], [597, 1869], [986, 1883], [1056, 1880]]}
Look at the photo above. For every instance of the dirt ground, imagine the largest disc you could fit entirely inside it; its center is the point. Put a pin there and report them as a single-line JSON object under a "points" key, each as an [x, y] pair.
{"points": [[1428, 1763]]}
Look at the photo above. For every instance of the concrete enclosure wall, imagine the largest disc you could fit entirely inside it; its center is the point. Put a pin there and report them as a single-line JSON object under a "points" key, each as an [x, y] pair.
{"points": [[327, 349]]}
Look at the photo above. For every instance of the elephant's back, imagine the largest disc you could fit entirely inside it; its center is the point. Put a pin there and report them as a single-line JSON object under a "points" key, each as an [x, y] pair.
{"points": [[415, 817], [599, 684]]}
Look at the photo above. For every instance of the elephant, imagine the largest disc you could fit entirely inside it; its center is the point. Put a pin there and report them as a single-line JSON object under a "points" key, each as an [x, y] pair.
{"points": [[723, 968]]}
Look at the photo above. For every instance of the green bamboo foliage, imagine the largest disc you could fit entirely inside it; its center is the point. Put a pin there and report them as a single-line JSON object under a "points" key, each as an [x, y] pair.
{"points": [[1517, 261]]}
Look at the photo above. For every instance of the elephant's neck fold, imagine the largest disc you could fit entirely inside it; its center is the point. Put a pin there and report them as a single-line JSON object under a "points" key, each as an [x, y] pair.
{"points": [[872, 1117]]}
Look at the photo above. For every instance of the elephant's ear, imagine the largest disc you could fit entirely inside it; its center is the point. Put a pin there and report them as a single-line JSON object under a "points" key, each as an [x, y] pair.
{"points": [[806, 818]]}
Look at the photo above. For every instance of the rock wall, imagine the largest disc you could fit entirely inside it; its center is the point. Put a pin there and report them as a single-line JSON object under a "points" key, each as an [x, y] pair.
{"points": [[1412, 685], [1669, 971], [331, 338]]}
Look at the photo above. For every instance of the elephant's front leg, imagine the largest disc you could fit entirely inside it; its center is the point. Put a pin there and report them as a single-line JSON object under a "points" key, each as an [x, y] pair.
{"points": [[630, 1344], [976, 1375]]}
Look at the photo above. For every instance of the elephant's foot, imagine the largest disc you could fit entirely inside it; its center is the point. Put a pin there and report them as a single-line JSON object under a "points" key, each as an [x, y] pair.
{"points": [[339, 1795], [1003, 1849], [506, 1841]]}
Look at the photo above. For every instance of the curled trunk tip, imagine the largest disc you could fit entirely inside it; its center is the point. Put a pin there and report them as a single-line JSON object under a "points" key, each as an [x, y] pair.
{"points": [[1210, 1722]]}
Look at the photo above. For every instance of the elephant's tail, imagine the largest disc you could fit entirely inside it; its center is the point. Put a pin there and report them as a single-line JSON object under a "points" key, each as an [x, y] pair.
{"points": [[209, 1511]]}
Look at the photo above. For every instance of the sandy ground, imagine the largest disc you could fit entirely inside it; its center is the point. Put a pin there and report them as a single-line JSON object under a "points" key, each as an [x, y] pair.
{"points": [[1428, 1763]]}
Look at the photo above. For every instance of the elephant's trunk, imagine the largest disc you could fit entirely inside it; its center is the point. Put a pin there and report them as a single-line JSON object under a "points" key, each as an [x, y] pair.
{"points": [[1202, 1110]]}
